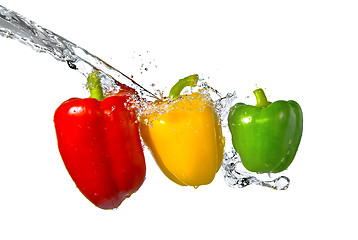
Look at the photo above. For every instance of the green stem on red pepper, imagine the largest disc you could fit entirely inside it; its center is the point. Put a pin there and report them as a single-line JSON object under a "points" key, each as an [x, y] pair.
{"points": [[181, 84], [94, 86], [261, 98]]}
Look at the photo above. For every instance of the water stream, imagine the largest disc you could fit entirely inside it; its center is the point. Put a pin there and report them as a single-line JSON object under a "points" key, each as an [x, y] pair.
{"points": [[40, 39]]}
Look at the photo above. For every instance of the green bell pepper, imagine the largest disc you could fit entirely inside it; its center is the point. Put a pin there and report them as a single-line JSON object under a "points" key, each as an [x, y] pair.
{"points": [[267, 135]]}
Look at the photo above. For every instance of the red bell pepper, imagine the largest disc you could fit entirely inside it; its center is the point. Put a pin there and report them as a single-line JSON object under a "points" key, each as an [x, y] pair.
{"points": [[100, 145]]}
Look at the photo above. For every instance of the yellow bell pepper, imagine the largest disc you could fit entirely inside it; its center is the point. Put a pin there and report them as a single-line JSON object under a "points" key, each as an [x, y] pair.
{"points": [[184, 135]]}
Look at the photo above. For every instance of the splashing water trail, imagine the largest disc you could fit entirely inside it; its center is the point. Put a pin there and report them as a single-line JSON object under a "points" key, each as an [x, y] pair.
{"points": [[236, 176], [17, 27]]}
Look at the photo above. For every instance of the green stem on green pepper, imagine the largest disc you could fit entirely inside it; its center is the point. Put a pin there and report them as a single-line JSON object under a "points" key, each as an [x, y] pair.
{"points": [[261, 98], [94, 86], [181, 84]]}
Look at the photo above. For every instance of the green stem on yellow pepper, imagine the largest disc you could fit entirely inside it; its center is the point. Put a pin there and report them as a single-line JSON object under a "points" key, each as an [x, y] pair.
{"points": [[94, 86], [261, 98], [181, 84]]}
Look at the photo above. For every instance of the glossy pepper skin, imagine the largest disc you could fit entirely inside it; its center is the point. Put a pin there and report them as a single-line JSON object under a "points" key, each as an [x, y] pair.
{"points": [[184, 136], [267, 135], [101, 148]]}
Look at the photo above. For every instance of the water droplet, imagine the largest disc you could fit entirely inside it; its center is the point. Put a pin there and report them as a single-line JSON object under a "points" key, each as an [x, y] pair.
{"points": [[71, 64]]}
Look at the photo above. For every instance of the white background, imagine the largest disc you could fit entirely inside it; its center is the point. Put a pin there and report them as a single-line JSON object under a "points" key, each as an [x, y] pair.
{"points": [[301, 50]]}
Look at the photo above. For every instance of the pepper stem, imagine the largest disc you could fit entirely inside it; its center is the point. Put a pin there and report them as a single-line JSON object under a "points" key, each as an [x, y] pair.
{"points": [[261, 98], [181, 84], [94, 86]]}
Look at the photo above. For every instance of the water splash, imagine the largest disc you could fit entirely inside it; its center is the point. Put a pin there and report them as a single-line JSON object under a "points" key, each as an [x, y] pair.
{"points": [[17, 27], [236, 176]]}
